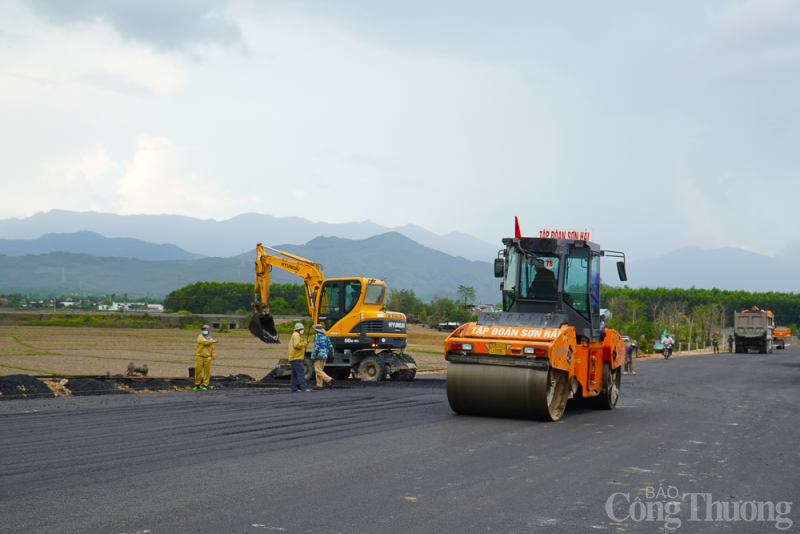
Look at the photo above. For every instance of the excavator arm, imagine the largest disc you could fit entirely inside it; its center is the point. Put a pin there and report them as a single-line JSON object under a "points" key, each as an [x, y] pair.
{"points": [[262, 324]]}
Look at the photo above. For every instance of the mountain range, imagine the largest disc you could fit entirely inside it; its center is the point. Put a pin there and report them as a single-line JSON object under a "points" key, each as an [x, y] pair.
{"points": [[723, 268], [398, 260], [233, 236], [86, 242], [92, 262]]}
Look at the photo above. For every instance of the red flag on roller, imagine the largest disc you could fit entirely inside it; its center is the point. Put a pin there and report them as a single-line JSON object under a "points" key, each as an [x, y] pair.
{"points": [[517, 233]]}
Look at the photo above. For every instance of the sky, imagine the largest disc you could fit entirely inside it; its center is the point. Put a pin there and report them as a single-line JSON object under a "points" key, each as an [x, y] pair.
{"points": [[658, 125]]}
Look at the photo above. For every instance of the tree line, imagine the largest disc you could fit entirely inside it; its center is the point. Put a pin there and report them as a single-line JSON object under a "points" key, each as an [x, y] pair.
{"points": [[290, 299], [235, 297], [691, 315]]}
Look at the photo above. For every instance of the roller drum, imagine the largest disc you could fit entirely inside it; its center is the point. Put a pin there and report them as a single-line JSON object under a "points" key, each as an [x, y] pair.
{"points": [[506, 391]]}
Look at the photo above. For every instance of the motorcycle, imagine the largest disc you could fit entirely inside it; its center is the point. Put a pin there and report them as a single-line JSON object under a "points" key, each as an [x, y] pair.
{"points": [[667, 351]]}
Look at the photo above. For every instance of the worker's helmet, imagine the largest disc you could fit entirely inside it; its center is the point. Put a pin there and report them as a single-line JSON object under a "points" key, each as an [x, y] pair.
{"points": [[633, 343], [299, 326]]}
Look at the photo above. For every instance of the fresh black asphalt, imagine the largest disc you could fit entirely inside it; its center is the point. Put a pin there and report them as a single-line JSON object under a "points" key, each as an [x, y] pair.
{"points": [[398, 460]]}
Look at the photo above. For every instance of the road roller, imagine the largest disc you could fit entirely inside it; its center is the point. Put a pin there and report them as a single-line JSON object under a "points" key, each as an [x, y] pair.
{"points": [[548, 345]]}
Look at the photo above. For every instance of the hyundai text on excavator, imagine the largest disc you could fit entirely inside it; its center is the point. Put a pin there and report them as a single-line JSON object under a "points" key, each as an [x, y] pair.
{"points": [[548, 345], [368, 341]]}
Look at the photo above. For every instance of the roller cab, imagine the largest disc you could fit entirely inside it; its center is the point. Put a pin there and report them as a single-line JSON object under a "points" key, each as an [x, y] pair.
{"points": [[548, 345]]}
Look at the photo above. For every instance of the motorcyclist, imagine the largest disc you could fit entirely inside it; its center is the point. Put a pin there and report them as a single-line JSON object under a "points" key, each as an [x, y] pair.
{"points": [[667, 341]]}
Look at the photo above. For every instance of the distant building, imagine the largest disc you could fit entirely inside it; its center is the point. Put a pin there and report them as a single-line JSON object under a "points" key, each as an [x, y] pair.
{"points": [[155, 307]]}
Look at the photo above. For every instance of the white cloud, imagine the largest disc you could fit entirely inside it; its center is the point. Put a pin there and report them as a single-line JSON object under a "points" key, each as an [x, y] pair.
{"points": [[155, 182], [574, 121]]}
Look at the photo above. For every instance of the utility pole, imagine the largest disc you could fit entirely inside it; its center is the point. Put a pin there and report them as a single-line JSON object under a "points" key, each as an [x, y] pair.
{"points": [[179, 281]]}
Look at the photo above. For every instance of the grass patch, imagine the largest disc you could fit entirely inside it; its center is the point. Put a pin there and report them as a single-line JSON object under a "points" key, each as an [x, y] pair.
{"points": [[99, 321], [41, 371], [288, 326]]}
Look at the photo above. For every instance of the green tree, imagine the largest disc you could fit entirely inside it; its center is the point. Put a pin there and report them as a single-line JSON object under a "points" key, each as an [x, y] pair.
{"points": [[405, 301], [217, 305], [278, 306], [467, 294]]}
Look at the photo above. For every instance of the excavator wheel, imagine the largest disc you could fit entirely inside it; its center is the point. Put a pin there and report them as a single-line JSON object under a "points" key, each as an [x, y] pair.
{"points": [[609, 396], [308, 370], [372, 369], [505, 391], [263, 327]]}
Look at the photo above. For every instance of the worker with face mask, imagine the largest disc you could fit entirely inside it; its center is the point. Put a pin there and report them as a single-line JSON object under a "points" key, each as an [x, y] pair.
{"points": [[296, 355], [202, 359]]}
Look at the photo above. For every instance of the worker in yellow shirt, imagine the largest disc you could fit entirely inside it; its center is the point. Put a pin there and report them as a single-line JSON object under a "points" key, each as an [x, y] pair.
{"points": [[296, 355], [202, 359]]}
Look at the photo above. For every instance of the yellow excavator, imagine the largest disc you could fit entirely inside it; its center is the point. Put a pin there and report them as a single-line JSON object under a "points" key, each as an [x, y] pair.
{"points": [[368, 341]]}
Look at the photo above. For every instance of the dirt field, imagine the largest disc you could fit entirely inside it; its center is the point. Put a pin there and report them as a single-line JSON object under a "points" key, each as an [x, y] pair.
{"points": [[168, 353]]}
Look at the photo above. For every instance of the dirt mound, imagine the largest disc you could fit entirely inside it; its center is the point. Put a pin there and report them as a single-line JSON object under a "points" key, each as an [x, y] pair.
{"points": [[23, 387], [272, 379], [151, 384], [91, 386], [231, 381], [244, 378]]}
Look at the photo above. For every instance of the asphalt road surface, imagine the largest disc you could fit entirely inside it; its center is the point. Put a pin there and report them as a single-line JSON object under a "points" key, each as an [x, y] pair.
{"points": [[719, 429]]}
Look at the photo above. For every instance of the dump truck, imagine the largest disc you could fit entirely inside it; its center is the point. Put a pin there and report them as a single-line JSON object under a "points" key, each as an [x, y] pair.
{"points": [[549, 344], [752, 330], [780, 335], [369, 342]]}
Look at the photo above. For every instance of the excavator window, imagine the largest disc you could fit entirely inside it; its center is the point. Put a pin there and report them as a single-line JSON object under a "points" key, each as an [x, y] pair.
{"points": [[352, 291], [375, 294], [329, 302]]}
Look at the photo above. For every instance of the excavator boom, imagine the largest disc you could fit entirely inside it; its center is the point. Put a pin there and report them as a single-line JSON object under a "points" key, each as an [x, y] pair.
{"points": [[262, 324]]}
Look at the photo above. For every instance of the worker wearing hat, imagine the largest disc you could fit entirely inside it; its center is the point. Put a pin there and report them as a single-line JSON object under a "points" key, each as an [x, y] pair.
{"points": [[319, 354], [202, 359], [296, 355], [630, 348]]}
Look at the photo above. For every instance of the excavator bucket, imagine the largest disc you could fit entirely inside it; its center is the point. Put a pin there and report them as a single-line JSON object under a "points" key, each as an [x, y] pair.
{"points": [[263, 327]]}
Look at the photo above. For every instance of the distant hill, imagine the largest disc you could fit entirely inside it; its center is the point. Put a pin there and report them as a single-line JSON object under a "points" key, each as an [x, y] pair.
{"points": [[228, 238], [93, 243], [402, 262], [722, 268], [791, 253]]}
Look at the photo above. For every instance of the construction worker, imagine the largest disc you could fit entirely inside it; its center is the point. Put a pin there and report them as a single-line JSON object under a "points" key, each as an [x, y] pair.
{"points": [[630, 348], [296, 355], [202, 359], [730, 343], [715, 343], [544, 285], [319, 354]]}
